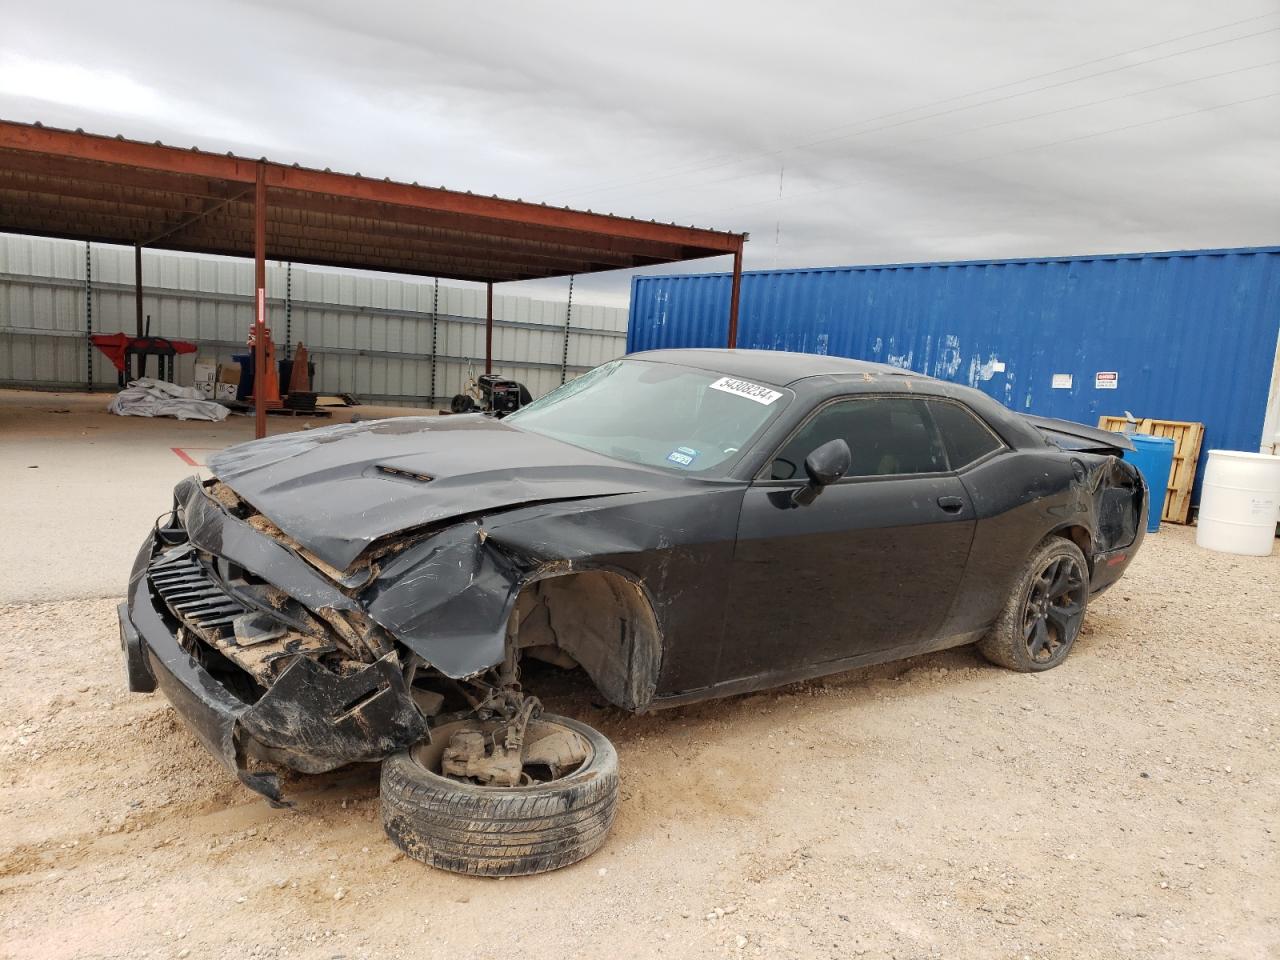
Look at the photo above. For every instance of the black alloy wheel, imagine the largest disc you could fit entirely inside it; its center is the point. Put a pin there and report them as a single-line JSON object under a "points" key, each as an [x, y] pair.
{"points": [[1054, 609], [1044, 612]]}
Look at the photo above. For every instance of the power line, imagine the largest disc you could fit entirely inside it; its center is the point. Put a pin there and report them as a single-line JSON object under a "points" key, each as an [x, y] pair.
{"points": [[1038, 146], [1127, 126], [610, 187], [1022, 119]]}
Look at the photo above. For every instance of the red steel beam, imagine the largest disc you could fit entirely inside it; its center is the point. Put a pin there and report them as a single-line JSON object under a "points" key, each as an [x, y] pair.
{"points": [[515, 211], [43, 203], [71, 170], [260, 303], [58, 187], [128, 153], [165, 210], [165, 159], [406, 243], [734, 291], [479, 226], [101, 227]]}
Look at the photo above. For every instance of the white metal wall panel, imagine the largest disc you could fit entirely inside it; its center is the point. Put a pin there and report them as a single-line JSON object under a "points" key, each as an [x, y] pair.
{"points": [[367, 334]]}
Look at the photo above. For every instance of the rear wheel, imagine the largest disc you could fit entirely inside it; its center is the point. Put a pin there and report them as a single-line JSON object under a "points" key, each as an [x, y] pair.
{"points": [[1043, 616], [557, 818]]}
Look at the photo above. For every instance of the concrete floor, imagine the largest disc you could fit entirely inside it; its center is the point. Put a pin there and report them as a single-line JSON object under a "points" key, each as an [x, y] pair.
{"points": [[81, 487]]}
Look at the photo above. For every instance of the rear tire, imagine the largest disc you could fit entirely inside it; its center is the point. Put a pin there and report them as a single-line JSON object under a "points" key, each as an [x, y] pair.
{"points": [[500, 831], [1044, 613]]}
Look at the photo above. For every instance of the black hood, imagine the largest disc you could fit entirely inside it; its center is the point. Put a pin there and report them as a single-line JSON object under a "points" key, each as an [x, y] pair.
{"points": [[337, 489]]}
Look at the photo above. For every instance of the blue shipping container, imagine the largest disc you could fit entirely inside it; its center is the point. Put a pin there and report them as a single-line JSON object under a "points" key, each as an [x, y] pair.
{"points": [[1176, 336]]}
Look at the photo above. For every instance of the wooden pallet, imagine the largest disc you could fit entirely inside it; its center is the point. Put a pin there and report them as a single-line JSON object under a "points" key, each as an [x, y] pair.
{"points": [[291, 412], [1186, 437]]}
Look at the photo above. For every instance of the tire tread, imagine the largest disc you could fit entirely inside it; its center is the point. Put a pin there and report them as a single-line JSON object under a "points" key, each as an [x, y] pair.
{"points": [[1003, 644], [497, 831]]}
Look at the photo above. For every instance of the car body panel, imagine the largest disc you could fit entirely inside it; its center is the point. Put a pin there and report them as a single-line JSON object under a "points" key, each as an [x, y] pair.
{"points": [[337, 489], [450, 521], [871, 565]]}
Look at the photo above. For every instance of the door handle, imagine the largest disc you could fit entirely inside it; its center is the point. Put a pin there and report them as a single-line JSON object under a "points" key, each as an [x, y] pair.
{"points": [[951, 504]]}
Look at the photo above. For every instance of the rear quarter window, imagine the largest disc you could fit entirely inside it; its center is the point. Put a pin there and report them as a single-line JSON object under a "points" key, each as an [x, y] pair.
{"points": [[966, 438]]}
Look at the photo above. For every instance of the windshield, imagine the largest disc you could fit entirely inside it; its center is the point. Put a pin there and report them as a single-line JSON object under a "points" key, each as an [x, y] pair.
{"points": [[656, 414]]}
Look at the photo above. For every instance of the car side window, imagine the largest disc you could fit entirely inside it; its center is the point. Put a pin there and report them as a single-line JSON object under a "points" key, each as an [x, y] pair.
{"points": [[965, 437], [887, 436]]}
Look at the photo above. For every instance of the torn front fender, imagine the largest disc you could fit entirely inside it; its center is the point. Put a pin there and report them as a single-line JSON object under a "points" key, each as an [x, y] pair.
{"points": [[448, 599]]}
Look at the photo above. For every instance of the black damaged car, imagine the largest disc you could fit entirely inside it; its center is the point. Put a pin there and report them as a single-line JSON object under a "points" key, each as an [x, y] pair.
{"points": [[677, 525]]}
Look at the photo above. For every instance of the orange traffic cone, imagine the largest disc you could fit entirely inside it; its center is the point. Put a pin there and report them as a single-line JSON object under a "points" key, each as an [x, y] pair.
{"points": [[268, 379], [300, 377]]}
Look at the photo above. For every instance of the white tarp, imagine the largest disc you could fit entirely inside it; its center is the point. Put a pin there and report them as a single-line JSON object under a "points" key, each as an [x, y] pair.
{"points": [[157, 398]]}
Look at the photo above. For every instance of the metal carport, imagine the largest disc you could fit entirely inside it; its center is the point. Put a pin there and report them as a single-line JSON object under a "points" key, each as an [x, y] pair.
{"points": [[79, 186]]}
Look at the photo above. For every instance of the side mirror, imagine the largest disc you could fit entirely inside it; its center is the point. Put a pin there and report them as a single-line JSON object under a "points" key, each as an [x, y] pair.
{"points": [[824, 466]]}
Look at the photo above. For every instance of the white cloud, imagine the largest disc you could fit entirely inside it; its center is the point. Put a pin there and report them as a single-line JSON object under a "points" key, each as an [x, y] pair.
{"points": [[909, 130]]}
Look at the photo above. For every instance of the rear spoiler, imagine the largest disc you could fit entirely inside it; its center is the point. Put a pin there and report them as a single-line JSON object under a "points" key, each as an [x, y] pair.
{"points": [[1068, 435]]}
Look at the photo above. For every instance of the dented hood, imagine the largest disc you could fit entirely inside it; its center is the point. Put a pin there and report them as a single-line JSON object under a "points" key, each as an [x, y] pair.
{"points": [[337, 489]]}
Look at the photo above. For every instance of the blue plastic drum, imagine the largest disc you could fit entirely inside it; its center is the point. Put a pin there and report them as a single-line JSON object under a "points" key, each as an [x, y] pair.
{"points": [[1153, 457]]}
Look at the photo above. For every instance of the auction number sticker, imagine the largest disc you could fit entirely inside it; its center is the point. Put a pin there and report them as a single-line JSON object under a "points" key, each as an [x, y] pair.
{"points": [[745, 388]]}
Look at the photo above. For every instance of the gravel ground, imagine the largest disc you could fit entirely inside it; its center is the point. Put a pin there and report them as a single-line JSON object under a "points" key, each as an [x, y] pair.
{"points": [[1126, 804]]}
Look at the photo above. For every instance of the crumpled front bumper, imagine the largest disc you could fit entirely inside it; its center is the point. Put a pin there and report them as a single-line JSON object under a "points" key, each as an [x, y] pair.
{"points": [[310, 719]]}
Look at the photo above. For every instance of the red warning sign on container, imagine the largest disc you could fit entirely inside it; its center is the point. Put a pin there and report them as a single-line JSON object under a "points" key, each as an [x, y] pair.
{"points": [[1106, 380]]}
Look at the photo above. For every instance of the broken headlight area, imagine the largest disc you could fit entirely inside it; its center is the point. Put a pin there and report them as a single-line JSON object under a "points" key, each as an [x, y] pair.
{"points": [[224, 612], [357, 576], [319, 689]]}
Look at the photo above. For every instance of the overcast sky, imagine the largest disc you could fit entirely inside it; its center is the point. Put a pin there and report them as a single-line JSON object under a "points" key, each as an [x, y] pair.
{"points": [[834, 132]]}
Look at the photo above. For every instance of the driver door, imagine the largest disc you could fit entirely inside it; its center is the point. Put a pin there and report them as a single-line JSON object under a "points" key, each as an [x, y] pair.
{"points": [[871, 566]]}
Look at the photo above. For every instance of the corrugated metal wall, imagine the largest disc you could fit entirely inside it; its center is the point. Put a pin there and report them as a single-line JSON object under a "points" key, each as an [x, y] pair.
{"points": [[1190, 335], [368, 335]]}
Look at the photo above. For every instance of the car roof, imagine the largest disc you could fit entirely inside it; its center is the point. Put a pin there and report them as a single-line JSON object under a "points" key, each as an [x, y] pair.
{"points": [[770, 366]]}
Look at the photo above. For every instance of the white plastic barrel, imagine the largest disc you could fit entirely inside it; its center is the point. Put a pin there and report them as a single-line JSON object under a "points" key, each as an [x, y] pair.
{"points": [[1240, 503]]}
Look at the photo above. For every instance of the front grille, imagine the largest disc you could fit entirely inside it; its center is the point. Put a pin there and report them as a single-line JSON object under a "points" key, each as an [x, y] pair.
{"points": [[191, 593]]}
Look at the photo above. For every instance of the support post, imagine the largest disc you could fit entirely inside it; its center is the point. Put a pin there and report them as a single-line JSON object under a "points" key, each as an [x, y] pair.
{"points": [[435, 313], [733, 296], [288, 308], [88, 316], [137, 285], [260, 303], [568, 320], [488, 329]]}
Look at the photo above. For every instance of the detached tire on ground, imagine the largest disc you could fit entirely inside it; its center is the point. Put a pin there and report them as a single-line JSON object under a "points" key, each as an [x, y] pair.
{"points": [[1044, 613], [499, 831]]}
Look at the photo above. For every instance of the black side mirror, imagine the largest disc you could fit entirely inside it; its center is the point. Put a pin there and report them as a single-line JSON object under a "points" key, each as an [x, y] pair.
{"points": [[824, 466]]}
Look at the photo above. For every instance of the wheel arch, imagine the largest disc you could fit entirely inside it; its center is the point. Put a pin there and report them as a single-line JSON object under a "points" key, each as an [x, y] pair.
{"points": [[604, 619], [1081, 536]]}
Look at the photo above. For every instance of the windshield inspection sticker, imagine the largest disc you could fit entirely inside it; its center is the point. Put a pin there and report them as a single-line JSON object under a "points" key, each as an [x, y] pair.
{"points": [[684, 456], [745, 388]]}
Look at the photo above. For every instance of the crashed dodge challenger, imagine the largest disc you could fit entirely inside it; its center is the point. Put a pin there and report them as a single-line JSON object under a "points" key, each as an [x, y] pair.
{"points": [[679, 525]]}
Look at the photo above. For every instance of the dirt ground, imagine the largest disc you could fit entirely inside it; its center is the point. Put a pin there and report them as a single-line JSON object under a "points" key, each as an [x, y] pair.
{"points": [[1126, 804]]}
